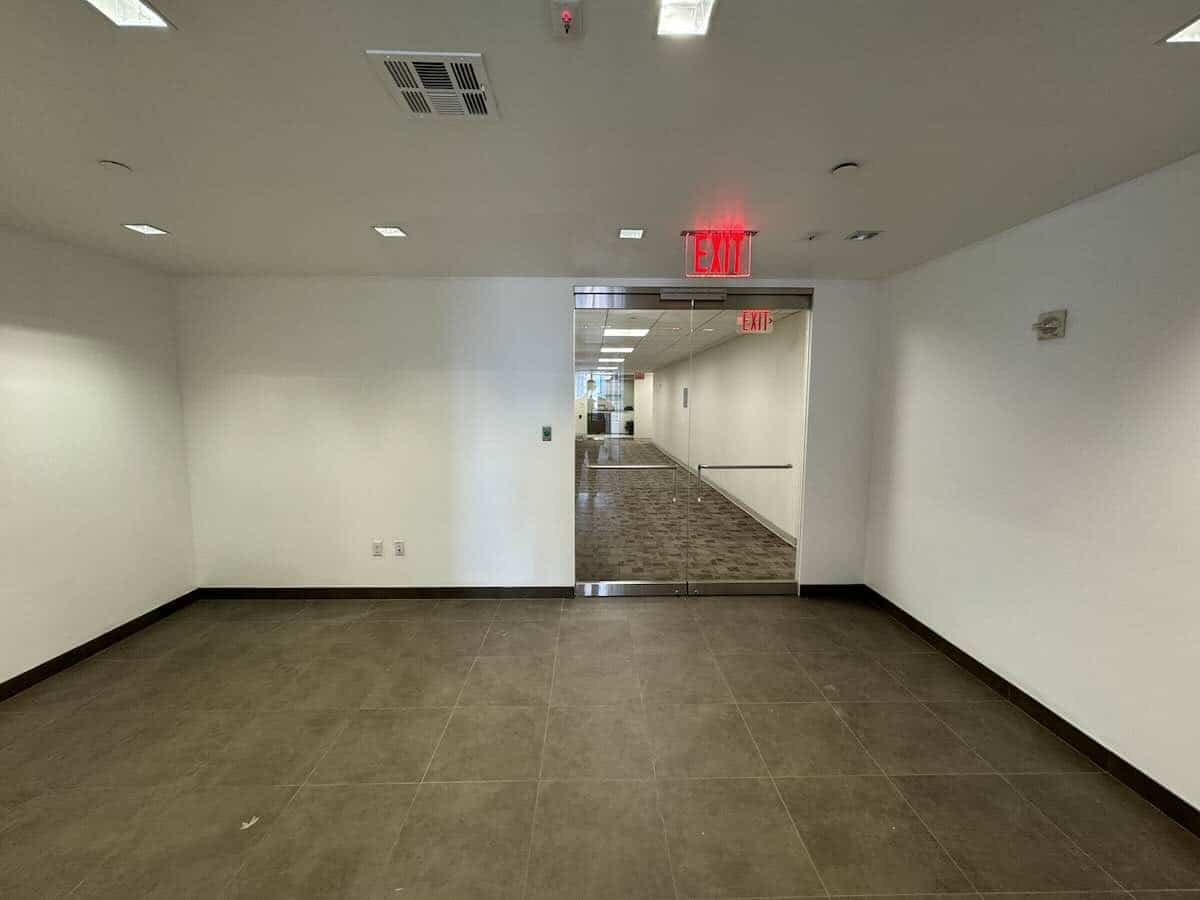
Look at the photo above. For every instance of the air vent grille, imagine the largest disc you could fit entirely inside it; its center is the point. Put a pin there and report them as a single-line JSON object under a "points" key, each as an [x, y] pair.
{"points": [[442, 85], [401, 73], [417, 103], [434, 76], [465, 76], [476, 103]]}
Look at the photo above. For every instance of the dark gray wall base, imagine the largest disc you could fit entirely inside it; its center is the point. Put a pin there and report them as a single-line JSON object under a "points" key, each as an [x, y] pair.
{"points": [[831, 590], [28, 679], [379, 593], [1166, 800]]}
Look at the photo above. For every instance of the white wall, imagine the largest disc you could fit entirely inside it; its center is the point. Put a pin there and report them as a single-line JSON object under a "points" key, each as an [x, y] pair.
{"points": [[94, 521], [745, 407], [1036, 503], [643, 407], [325, 412], [833, 542]]}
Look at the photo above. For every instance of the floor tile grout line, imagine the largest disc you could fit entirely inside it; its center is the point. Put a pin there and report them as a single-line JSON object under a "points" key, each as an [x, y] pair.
{"points": [[658, 805], [537, 793], [1005, 778], [283, 809], [437, 745], [937, 840], [766, 768]]}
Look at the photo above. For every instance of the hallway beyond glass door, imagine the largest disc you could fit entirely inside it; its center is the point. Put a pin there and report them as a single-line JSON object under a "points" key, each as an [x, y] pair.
{"points": [[689, 441]]}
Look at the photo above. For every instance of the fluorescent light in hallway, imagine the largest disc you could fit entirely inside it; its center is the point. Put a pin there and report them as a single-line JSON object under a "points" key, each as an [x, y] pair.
{"points": [[390, 231], [631, 234], [616, 349], [626, 332], [130, 13]]}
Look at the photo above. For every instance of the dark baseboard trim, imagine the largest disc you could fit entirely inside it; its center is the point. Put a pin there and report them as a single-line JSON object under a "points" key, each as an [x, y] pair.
{"points": [[18, 683], [831, 590], [1125, 772], [380, 593]]}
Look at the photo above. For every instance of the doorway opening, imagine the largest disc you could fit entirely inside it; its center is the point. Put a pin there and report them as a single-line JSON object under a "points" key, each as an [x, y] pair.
{"points": [[690, 431]]}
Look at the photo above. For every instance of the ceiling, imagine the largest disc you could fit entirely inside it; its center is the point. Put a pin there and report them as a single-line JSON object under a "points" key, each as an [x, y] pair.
{"points": [[262, 139], [671, 336]]}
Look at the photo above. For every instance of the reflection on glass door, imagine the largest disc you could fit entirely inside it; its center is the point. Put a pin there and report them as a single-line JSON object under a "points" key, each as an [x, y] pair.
{"points": [[746, 447]]}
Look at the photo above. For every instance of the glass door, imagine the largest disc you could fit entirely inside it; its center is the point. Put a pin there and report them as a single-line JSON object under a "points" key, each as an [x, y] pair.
{"points": [[630, 447], [748, 371], [690, 426]]}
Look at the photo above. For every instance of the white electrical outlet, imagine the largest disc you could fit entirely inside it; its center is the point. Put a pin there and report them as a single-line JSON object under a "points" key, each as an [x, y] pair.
{"points": [[399, 545], [377, 547]]}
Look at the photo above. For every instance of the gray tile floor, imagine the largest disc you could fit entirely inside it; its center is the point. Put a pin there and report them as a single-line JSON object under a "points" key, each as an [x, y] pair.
{"points": [[704, 747], [630, 527]]}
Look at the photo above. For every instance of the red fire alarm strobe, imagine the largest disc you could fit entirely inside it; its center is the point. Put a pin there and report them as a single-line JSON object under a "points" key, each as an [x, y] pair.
{"points": [[566, 18], [717, 253]]}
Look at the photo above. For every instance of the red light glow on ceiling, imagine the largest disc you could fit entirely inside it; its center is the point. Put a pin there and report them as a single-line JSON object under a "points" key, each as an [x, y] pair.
{"points": [[717, 253]]}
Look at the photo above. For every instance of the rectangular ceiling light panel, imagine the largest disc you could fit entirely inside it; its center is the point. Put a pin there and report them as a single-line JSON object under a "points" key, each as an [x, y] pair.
{"points": [[626, 332], [1188, 35], [616, 349], [130, 13], [150, 230], [631, 234], [684, 17]]}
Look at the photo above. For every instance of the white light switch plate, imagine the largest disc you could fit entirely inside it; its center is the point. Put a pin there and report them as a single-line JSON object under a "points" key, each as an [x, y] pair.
{"points": [[399, 545], [377, 548]]}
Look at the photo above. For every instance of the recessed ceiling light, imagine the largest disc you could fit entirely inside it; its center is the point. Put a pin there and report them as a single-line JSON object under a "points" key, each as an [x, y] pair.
{"points": [[626, 332], [1188, 35], [708, 329], [631, 234], [130, 13], [390, 231], [615, 360], [863, 235], [147, 229], [616, 349], [684, 17]]}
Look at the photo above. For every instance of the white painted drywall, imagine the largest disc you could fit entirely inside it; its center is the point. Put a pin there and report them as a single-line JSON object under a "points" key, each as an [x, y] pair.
{"points": [[94, 521], [833, 542], [745, 407], [643, 407], [1036, 503], [325, 412]]}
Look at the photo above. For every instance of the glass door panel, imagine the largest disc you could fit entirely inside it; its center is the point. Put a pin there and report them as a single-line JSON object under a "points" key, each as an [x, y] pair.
{"points": [[746, 446], [630, 503]]}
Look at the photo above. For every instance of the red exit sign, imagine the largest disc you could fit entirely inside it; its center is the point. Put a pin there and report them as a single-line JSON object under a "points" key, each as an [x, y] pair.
{"points": [[755, 321], [716, 253]]}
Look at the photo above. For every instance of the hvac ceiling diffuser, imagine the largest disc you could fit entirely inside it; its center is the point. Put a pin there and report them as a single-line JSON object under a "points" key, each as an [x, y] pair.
{"points": [[445, 85]]}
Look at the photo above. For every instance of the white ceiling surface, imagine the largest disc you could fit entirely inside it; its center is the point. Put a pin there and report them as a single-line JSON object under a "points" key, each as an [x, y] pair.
{"points": [[671, 336], [264, 142]]}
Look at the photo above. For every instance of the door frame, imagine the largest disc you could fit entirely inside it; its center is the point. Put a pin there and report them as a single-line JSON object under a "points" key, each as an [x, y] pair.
{"points": [[686, 296]]}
